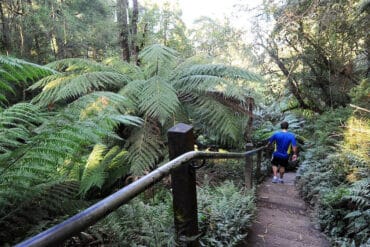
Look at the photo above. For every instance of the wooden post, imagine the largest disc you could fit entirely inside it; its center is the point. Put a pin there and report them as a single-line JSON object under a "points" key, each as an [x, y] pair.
{"points": [[258, 165], [180, 141], [248, 167]]}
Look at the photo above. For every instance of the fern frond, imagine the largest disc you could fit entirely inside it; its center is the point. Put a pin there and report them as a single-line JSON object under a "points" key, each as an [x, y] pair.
{"points": [[103, 168], [127, 120], [158, 59], [66, 86], [219, 121], [17, 71], [158, 99], [16, 124], [145, 147], [79, 65], [105, 109], [359, 193], [116, 165], [220, 70], [45, 154], [132, 91], [131, 70], [57, 199], [98, 103], [94, 173], [230, 81]]}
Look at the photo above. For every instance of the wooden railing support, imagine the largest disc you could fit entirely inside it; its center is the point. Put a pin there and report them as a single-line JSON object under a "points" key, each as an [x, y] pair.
{"points": [[258, 165], [248, 169], [180, 141]]}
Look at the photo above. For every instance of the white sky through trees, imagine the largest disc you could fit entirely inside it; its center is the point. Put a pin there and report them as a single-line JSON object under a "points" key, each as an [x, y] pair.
{"points": [[216, 9]]}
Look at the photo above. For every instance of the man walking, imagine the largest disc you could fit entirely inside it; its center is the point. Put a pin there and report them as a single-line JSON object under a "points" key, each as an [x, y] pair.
{"points": [[284, 143]]}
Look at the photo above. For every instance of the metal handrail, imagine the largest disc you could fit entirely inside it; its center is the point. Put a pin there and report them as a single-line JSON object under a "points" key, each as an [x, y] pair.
{"points": [[89, 216]]}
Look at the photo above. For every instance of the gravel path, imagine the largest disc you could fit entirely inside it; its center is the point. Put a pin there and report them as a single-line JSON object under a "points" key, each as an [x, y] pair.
{"points": [[283, 219]]}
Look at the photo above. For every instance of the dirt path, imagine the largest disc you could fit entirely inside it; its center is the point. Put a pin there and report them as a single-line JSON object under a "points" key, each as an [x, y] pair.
{"points": [[283, 219]]}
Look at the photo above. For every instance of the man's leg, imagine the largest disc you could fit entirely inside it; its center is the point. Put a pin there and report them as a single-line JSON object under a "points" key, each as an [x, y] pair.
{"points": [[282, 171], [275, 171]]}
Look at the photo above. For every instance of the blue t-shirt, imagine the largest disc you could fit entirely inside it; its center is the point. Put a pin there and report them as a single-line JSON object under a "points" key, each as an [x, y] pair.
{"points": [[283, 141]]}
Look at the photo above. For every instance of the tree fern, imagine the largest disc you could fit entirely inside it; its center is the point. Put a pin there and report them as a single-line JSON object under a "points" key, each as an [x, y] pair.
{"points": [[158, 60], [158, 99], [18, 72], [132, 91], [79, 65], [117, 165], [145, 147], [70, 86], [219, 70], [45, 153], [65, 138], [103, 168], [218, 121], [16, 126], [94, 173], [129, 69]]}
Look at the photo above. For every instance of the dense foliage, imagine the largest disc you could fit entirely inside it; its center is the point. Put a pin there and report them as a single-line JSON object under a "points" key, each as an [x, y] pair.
{"points": [[334, 178], [150, 222], [76, 129]]}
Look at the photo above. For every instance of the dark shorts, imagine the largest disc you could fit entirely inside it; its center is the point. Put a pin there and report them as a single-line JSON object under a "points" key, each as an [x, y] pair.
{"points": [[277, 161]]}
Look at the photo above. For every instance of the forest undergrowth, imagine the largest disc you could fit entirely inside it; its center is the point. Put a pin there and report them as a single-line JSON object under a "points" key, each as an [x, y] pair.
{"points": [[334, 177], [148, 219]]}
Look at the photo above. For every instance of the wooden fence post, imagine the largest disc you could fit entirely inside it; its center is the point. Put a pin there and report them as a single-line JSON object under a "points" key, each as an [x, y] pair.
{"points": [[258, 164], [180, 141], [248, 170]]}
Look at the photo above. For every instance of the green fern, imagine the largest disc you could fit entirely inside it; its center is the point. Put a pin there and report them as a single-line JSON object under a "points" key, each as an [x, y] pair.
{"points": [[50, 207], [158, 60], [94, 173], [359, 193], [18, 72], [219, 121], [230, 81], [58, 142], [103, 168], [79, 65], [132, 91], [45, 155], [158, 99], [69, 86], [117, 165], [16, 125], [129, 69], [145, 147]]}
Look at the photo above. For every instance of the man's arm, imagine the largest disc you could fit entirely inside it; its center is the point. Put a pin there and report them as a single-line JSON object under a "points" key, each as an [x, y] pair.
{"points": [[295, 149], [270, 140]]}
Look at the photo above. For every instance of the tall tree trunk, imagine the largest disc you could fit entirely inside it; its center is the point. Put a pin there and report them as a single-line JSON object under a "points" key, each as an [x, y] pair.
{"points": [[122, 10], [134, 39], [5, 37]]}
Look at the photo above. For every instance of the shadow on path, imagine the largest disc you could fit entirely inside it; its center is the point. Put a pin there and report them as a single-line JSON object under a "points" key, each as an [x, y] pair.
{"points": [[282, 218]]}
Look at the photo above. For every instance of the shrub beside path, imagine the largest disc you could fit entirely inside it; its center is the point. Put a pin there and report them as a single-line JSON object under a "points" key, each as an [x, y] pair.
{"points": [[283, 218]]}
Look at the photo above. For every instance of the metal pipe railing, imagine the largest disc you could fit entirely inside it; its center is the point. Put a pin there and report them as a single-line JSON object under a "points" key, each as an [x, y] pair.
{"points": [[89, 216]]}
